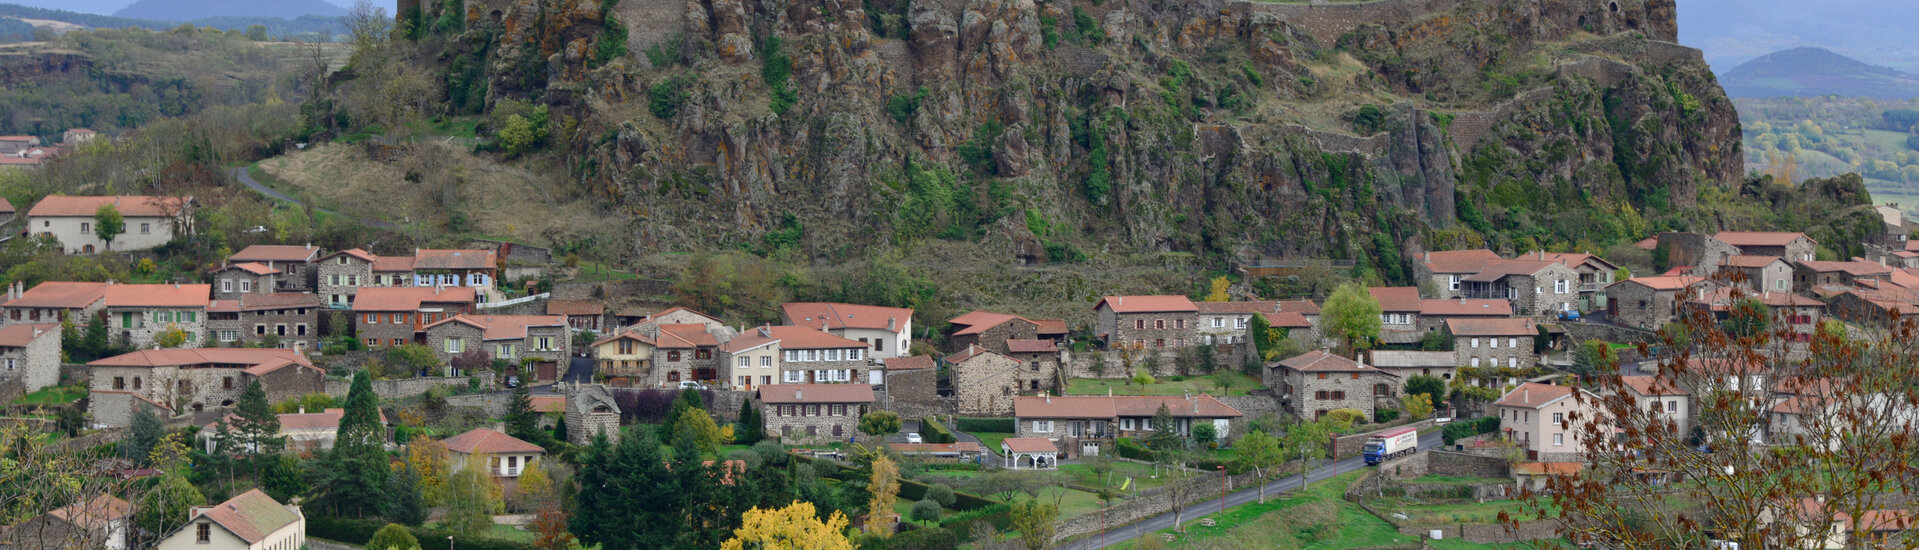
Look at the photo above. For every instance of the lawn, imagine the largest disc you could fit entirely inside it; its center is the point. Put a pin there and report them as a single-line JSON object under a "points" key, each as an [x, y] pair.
{"points": [[1455, 480], [53, 395], [991, 440], [1072, 503], [1424, 513], [1314, 519], [1172, 385], [1142, 475]]}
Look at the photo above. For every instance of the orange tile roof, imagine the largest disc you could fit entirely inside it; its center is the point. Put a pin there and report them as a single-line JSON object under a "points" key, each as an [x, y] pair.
{"points": [[574, 307], [1028, 445], [1302, 307], [622, 334], [1568, 258], [839, 316], [1497, 270], [1492, 327], [1031, 346], [252, 516], [95, 513], [61, 294], [1533, 395], [1324, 361], [1065, 406], [5, 207], [16, 161], [354, 252], [1101, 406], [1663, 282], [131, 206], [22, 335], [1855, 268], [1458, 261], [1146, 304], [1397, 298], [482, 440], [409, 298], [454, 259], [255, 268], [988, 324], [685, 336], [911, 362], [1240, 307], [390, 264], [1466, 307], [1051, 326], [121, 295], [503, 327], [816, 393], [276, 253], [788, 337], [1751, 261], [203, 356], [1652, 386], [1647, 243], [1759, 238], [1287, 319]]}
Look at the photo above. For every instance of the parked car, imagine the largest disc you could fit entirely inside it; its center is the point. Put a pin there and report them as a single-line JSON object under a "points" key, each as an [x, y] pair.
{"points": [[512, 382], [914, 438], [690, 385]]}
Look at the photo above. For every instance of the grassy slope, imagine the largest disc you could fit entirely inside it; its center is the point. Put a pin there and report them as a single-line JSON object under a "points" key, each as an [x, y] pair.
{"points": [[1316, 519], [1192, 384]]}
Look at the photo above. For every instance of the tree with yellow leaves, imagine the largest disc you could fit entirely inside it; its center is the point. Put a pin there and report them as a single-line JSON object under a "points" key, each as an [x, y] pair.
{"points": [[795, 527], [885, 487], [428, 457], [1218, 293]]}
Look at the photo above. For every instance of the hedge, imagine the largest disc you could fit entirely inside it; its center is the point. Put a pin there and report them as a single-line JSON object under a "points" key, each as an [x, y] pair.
{"points": [[933, 432], [995, 425], [918, 537], [914, 490], [1456, 431], [1133, 450], [998, 514], [359, 531]]}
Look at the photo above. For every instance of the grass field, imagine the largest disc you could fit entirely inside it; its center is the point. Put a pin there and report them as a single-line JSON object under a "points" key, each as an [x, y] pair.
{"points": [[53, 395], [991, 440], [1472, 512], [1315, 519], [1454, 480], [1165, 386], [1142, 475]]}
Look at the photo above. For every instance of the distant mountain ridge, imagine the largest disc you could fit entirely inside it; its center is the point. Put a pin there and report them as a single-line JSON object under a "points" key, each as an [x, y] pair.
{"points": [[108, 7], [190, 10], [1810, 72]]}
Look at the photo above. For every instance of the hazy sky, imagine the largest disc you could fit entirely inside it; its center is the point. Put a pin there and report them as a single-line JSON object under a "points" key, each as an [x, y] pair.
{"points": [[107, 7]]}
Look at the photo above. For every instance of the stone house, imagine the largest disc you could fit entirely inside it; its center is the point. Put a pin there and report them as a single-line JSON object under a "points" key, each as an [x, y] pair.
{"points": [[339, 276], [1594, 274], [984, 382], [102, 522], [198, 379], [590, 411], [989, 330], [1298, 327], [1433, 314], [1874, 307], [395, 316], [1446, 271], [1082, 424], [540, 340], [1663, 400], [888, 329], [687, 353], [1544, 419], [649, 324], [284, 319], [1758, 273], [1788, 245], [1700, 253], [1227, 323], [814, 414], [150, 221], [1650, 302], [663, 349], [76, 136], [475, 269], [297, 264], [14, 145], [1146, 322], [1044, 353], [1808, 276], [1406, 364], [795, 355], [30, 354], [1534, 287], [1317, 382], [251, 521], [137, 313], [506, 456], [52, 302], [1493, 342], [913, 379], [1799, 314], [624, 359], [1398, 314], [232, 280], [583, 315]]}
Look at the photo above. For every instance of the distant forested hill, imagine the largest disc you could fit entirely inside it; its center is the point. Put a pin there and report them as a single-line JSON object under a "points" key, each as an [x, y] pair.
{"points": [[1813, 72], [193, 10], [276, 27], [1880, 32]]}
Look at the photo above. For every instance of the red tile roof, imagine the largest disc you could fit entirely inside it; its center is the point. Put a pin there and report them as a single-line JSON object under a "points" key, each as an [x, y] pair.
{"points": [[202, 356], [1101, 406], [1855, 268], [16, 161], [1240, 307], [1287, 319], [1663, 282], [22, 335], [816, 393], [1494, 271], [1458, 261], [252, 516], [970, 352], [1751, 261], [1466, 308], [574, 307], [1146, 304], [1028, 445], [788, 337], [685, 336], [1533, 395], [130, 206], [61, 294], [1571, 259], [482, 440], [454, 259], [911, 362], [276, 253], [1652, 386], [1397, 298], [622, 334], [95, 513], [5, 207], [1324, 361], [1759, 238], [389, 264], [503, 327], [354, 252], [1302, 307], [255, 268], [1051, 327], [119, 295], [840, 316], [981, 321], [1492, 327], [1031, 346], [409, 298]]}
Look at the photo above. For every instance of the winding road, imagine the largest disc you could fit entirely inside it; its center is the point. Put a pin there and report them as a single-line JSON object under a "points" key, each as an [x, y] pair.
{"points": [[241, 175], [1121, 534]]}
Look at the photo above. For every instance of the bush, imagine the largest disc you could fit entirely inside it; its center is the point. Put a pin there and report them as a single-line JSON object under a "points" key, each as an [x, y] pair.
{"points": [[1385, 415], [933, 432], [940, 494], [997, 425], [360, 531], [921, 538], [1132, 449], [926, 510]]}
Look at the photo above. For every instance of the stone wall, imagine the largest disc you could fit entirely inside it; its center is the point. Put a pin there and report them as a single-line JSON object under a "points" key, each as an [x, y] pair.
{"points": [[407, 387], [492, 404], [1580, 332], [1255, 405], [1469, 127], [75, 373]]}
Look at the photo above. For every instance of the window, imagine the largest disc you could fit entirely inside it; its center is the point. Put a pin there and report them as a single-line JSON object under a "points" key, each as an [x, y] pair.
{"points": [[766, 361], [455, 345], [546, 344], [1512, 343], [1673, 405], [228, 335], [790, 376], [260, 329], [246, 286], [1512, 362], [1179, 324], [1239, 323], [300, 329], [812, 410], [1159, 342], [226, 285], [1159, 324], [879, 345], [1126, 423], [280, 329], [119, 383], [1321, 394], [1219, 322], [226, 382], [146, 228], [697, 354], [1493, 343], [1559, 286], [1043, 426], [673, 356], [1475, 361], [766, 379], [1139, 324], [1322, 376], [371, 342], [398, 342], [746, 362], [372, 318], [1559, 418], [136, 382], [86, 227], [1452, 282], [203, 533], [839, 410], [493, 463], [1035, 367], [399, 318], [832, 355], [1779, 284], [1559, 440], [1475, 343]]}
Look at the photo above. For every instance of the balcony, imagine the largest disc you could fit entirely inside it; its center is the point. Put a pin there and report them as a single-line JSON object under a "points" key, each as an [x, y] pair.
{"points": [[1591, 287]]}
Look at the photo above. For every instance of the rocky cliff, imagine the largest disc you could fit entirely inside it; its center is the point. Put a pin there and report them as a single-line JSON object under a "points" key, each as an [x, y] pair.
{"points": [[1363, 131]]}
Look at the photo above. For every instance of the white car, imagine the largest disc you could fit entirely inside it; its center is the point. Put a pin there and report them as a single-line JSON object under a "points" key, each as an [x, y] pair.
{"points": [[914, 438], [690, 385]]}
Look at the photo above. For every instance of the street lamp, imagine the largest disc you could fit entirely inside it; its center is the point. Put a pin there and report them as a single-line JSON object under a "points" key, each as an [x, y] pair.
{"points": [[1222, 492], [449, 542]]}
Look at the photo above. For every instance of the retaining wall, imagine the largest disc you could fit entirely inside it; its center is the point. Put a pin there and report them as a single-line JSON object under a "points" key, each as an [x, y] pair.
{"points": [[407, 387], [1351, 444]]}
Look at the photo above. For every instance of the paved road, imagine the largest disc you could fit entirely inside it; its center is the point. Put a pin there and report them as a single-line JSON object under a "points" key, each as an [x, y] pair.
{"points": [[580, 371], [241, 175], [1121, 534]]}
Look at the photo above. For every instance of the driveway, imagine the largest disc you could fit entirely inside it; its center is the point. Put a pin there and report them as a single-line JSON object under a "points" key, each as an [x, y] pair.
{"points": [[241, 175], [1121, 534]]}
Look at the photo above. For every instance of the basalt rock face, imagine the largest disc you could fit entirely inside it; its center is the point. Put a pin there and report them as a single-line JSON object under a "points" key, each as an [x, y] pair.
{"points": [[1149, 126]]}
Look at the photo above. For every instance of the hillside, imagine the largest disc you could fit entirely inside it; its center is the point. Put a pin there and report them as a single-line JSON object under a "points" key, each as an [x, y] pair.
{"points": [[190, 10], [64, 19], [1812, 72], [1880, 32]]}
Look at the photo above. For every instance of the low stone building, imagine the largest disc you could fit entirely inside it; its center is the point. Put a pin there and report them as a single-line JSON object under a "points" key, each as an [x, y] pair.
{"points": [[1146, 322], [795, 355], [52, 302], [1082, 425], [297, 265], [1759, 273], [1874, 308], [283, 320], [138, 313], [1044, 353], [542, 340], [1595, 273], [1493, 342], [1434, 313], [1791, 246], [197, 379], [913, 379], [1702, 254], [590, 412], [104, 522], [813, 414], [584, 315], [232, 280], [1541, 288], [30, 354], [1319, 382], [686, 353], [1398, 314], [1225, 323], [985, 382], [1809, 275], [1406, 364], [339, 276], [1447, 270], [395, 316], [1651, 302], [989, 330]]}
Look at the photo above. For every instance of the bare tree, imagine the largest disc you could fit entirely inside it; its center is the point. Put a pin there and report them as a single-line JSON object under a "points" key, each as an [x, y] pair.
{"points": [[367, 26], [36, 478]]}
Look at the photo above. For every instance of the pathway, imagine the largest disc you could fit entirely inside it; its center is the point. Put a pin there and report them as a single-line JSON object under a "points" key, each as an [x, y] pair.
{"points": [[241, 175]]}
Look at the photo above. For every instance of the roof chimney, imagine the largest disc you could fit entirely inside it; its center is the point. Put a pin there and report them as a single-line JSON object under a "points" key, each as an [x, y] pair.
{"points": [[1429, 256], [892, 324], [797, 396], [1049, 397], [1527, 396]]}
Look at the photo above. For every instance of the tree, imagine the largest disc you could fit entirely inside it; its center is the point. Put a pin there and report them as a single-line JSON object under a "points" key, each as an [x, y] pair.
{"points": [[143, 431], [1217, 290], [521, 420], [1142, 379], [171, 337], [1034, 521], [353, 478], [1165, 436], [96, 338], [427, 457], [942, 494], [367, 27], [165, 507], [471, 499], [393, 537], [1430, 386], [257, 33], [1260, 453], [1205, 435], [108, 223], [411, 359], [880, 423], [698, 428], [752, 428], [549, 529], [1418, 406], [409, 497], [71, 421], [1351, 315], [473, 360], [926, 511], [255, 427], [1594, 357], [884, 485], [1225, 380], [795, 527], [626, 508], [687, 400], [1749, 318], [535, 487]]}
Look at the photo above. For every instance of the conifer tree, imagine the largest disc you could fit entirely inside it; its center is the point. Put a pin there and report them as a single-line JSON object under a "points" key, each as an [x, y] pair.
{"points": [[353, 478]]}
